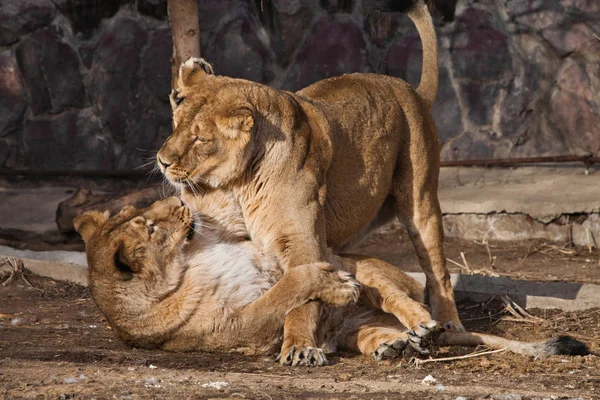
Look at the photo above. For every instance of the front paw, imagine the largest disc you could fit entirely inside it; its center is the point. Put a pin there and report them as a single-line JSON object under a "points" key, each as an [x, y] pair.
{"points": [[302, 356], [424, 336], [340, 288]]}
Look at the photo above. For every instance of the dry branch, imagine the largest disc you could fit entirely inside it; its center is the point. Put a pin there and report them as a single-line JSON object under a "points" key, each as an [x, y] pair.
{"points": [[418, 362]]}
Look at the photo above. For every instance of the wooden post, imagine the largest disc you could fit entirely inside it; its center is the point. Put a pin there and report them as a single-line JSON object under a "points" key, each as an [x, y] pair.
{"points": [[185, 28]]}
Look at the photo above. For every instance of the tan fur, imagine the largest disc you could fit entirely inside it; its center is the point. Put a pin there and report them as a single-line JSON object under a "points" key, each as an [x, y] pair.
{"points": [[159, 290], [317, 168]]}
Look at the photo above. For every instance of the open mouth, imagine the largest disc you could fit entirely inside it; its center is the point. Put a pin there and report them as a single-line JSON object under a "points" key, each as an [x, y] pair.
{"points": [[191, 230]]}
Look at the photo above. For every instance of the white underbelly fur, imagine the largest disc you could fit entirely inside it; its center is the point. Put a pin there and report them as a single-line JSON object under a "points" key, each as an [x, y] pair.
{"points": [[232, 269]]}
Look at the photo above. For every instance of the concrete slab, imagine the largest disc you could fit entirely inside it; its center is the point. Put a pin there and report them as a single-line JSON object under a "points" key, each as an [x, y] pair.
{"points": [[70, 266], [71, 257], [566, 296], [542, 192]]}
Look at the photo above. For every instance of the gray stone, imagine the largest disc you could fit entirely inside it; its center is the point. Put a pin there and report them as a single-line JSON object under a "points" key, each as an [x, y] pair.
{"points": [[67, 141], [446, 110], [566, 25], [12, 95], [479, 52], [114, 76], [50, 70], [239, 52], [84, 16], [153, 8], [291, 20], [572, 108], [8, 152], [20, 17], [156, 64], [480, 99], [335, 47], [337, 6], [214, 14], [404, 59]]}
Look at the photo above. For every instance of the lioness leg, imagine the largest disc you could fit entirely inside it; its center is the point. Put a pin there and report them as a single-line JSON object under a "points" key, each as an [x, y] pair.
{"points": [[389, 289], [317, 281], [415, 189], [374, 334], [297, 244]]}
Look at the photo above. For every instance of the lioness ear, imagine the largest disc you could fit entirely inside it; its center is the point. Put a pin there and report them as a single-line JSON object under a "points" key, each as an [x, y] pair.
{"points": [[235, 122], [87, 223], [193, 68]]}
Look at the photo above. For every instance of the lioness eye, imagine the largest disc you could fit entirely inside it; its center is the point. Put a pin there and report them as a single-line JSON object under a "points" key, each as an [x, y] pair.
{"points": [[176, 98], [201, 139]]}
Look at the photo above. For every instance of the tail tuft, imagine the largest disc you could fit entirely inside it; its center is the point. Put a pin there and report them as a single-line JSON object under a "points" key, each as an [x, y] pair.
{"points": [[402, 6], [566, 345]]}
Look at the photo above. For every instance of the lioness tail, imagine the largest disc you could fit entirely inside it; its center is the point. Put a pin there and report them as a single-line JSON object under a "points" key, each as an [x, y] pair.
{"points": [[564, 345], [419, 14]]}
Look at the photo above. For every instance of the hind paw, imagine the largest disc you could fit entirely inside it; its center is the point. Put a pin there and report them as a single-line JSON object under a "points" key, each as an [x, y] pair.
{"points": [[341, 289], [390, 349]]}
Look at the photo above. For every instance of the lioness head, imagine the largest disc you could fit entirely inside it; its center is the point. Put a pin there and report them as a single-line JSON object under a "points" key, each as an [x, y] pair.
{"points": [[135, 258], [212, 122]]}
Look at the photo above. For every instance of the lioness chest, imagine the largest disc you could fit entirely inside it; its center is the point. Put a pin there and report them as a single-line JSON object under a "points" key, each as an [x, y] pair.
{"points": [[233, 274]]}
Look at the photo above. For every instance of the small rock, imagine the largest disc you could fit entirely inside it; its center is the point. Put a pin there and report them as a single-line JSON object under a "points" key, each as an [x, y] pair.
{"points": [[152, 366], [462, 398], [151, 382], [216, 385], [440, 388], [70, 380], [344, 377], [16, 321], [429, 380]]}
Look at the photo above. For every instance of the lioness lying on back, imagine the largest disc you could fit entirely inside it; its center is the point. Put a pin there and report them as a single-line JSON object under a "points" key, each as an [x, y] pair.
{"points": [[320, 167], [162, 285]]}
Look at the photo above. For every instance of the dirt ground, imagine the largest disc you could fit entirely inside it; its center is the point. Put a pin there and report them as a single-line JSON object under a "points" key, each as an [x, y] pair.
{"points": [[55, 344]]}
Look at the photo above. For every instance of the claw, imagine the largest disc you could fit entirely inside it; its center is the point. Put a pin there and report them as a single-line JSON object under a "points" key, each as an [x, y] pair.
{"points": [[388, 350]]}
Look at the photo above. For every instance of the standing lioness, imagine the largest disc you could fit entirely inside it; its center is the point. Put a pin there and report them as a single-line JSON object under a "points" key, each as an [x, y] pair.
{"points": [[319, 167]]}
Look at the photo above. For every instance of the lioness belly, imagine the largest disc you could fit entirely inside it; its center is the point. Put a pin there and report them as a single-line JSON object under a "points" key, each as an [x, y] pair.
{"points": [[368, 131]]}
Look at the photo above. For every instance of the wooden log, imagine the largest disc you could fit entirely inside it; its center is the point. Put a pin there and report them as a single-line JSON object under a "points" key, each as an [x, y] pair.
{"points": [[84, 200]]}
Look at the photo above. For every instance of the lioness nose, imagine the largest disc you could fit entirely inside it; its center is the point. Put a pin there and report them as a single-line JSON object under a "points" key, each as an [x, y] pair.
{"points": [[161, 162]]}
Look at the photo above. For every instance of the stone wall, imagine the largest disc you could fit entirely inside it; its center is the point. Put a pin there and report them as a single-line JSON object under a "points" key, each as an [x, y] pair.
{"points": [[84, 83]]}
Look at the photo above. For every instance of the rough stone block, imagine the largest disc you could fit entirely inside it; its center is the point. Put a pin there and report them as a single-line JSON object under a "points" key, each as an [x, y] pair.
{"points": [[12, 95], [50, 69], [18, 18], [335, 47]]}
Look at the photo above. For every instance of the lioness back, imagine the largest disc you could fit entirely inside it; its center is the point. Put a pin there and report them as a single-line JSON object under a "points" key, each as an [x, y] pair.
{"points": [[367, 117]]}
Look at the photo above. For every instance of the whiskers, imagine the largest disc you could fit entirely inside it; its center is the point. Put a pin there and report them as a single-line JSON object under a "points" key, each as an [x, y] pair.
{"points": [[146, 164], [196, 189]]}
